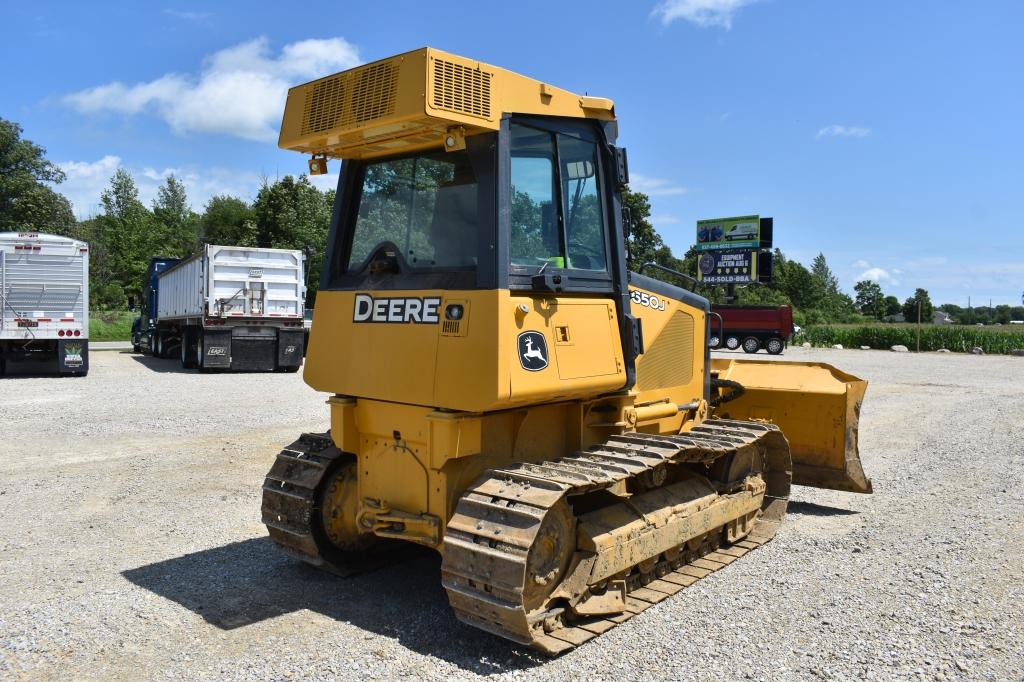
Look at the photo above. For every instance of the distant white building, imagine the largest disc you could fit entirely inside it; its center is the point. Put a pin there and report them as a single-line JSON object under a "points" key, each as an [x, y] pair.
{"points": [[943, 318]]}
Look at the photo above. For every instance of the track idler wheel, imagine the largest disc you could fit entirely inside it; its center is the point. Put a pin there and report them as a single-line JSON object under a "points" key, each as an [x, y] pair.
{"points": [[549, 555], [339, 504]]}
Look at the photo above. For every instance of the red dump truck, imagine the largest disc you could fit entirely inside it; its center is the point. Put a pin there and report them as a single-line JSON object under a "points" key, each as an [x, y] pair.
{"points": [[751, 327]]}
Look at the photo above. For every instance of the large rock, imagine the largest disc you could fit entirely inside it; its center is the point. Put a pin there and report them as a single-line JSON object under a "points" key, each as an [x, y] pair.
{"points": [[899, 349], [805, 344], [865, 347], [838, 346], [943, 350], [977, 351]]}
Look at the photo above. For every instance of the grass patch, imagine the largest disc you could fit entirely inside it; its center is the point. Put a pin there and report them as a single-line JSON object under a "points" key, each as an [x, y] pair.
{"points": [[957, 338], [110, 325]]}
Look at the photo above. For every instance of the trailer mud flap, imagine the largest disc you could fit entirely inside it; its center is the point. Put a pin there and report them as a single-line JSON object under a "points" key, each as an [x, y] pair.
{"points": [[217, 349], [818, 409], [73, 356], [290, 347]]}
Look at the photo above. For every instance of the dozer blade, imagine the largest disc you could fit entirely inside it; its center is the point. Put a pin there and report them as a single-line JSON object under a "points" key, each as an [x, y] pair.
{"points": [[818, 409]]}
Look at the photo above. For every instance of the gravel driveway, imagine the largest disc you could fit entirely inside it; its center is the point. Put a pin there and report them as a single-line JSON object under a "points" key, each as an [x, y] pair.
{"points": [[131, 546]]}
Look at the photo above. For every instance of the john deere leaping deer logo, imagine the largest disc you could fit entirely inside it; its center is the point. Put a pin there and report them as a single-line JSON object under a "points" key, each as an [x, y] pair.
{"points": [[533, 351]]}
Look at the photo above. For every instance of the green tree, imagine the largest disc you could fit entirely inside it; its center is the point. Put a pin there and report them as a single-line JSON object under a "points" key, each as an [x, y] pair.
{"points": [[126, 236], [292, 214], [643, 241], [892, 306], [26, 201], [228, 221], [870, 299], [827, 281], [796, 282], [645, 245], [175, 222], [911, 304]]}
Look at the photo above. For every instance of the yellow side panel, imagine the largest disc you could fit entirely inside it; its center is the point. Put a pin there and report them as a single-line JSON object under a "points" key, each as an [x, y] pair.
{"points": [[672, 365], [382, 361], [473, 365], [592, 356], [585, 340]]}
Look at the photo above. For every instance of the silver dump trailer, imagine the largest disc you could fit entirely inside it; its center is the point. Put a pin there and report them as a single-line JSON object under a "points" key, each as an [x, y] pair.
{"points": [[232, 307], [44, 296]]}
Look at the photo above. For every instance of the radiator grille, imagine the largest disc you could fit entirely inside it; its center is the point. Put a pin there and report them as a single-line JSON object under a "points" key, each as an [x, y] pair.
{"points": [[462, 89], [669, 361], [350, 98]]}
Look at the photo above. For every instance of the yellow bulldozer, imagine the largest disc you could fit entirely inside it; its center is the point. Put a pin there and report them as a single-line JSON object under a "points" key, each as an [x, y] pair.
{"points": [[503, 390]]}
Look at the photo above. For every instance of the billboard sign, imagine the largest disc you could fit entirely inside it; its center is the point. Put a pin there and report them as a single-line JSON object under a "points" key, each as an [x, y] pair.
{"points": [[737, 266], [743, 232]]}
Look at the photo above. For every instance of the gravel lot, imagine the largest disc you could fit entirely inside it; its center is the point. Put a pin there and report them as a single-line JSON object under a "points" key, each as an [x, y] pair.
{"points": [[132, 546]]}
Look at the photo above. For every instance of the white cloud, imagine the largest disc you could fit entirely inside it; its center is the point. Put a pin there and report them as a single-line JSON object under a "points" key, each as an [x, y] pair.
{"points": [[703, 13], [655, 187], [239, 91], [86, 180], [195, 17], [879, 275], [843, 131], [861, 264], [326, 181]]}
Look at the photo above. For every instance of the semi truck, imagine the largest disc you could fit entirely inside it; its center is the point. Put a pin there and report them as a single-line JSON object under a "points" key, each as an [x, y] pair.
{"points": [[751, 327], [229, 308], [144, 326], [44, 296]]}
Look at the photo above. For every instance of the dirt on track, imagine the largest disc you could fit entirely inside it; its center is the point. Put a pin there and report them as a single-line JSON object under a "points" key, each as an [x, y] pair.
{"points": [[131, 546]]}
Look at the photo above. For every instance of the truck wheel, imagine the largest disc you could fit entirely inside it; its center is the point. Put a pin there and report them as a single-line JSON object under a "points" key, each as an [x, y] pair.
{"points": [[199, 352], [751, 344], [714, 342], [158, 345], [774, 345], [732, 342], [187, 356]]}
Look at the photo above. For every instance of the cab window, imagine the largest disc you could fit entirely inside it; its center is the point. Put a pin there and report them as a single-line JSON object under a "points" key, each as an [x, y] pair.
{"points": [[425, 205], [556, 210]]}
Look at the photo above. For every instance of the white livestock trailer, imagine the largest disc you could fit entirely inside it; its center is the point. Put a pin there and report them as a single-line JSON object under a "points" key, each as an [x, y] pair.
{"points": [[44, 297]]}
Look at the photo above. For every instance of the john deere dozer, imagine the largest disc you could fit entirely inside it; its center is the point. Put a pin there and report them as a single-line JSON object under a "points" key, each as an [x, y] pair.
{"points": [[503, 389]]}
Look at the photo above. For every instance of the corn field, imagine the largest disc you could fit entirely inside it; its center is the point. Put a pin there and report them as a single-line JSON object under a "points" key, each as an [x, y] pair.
{"points": [[956, 338]]}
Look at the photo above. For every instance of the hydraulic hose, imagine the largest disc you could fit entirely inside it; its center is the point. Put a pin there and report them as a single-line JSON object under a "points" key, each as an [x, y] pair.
{"points": [[736, 392]]}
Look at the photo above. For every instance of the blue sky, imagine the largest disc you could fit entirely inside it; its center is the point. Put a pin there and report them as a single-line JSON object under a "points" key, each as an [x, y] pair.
{"points": [[889, 136]]}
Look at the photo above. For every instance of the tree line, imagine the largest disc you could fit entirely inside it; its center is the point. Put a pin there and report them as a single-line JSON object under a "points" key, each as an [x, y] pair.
{"points": [[291, 213], [814, 293]]}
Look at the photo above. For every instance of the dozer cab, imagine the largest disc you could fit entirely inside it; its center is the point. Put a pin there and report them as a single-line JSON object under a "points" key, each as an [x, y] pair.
{"points": [[503, 389]]}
